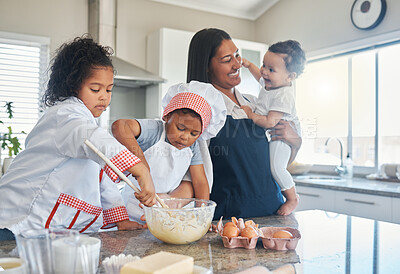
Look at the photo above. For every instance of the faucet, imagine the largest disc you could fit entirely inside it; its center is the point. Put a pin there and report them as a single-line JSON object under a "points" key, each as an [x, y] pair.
{"points": [[340, 170]]}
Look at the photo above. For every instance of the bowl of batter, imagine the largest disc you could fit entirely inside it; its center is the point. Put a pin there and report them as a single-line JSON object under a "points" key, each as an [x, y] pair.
{"points": [[184, 222]]}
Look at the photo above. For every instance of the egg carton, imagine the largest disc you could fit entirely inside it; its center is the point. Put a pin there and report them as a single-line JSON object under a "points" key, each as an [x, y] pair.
{"points": [[280, 243], [266, 236]]}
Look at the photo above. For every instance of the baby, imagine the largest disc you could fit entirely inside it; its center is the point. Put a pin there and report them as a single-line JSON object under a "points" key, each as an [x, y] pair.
{"points": [[191, 111], [282, 64]]}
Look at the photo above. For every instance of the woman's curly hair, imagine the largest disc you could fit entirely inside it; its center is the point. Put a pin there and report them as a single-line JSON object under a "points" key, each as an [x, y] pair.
{"points": [[72, 65], [295, 59]]}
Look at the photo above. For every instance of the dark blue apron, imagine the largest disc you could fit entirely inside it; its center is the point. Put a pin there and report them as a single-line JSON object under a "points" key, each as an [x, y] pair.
{"points": [[243, 185]]}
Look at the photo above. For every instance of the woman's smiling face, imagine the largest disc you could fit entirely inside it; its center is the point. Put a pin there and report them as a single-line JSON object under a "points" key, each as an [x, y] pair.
{"points": [[224, 67]]}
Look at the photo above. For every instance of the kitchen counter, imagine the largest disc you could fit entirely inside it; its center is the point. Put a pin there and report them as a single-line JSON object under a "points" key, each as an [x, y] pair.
{"points": [[358, 185], [330, 243]]}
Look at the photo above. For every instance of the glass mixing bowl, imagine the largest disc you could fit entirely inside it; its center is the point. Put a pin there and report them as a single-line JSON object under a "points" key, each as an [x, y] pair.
{"points": [[185, 221]]}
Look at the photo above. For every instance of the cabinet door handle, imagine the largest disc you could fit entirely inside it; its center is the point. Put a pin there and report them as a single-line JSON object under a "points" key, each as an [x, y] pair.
{"points": [[308, 194], [360, 202]]}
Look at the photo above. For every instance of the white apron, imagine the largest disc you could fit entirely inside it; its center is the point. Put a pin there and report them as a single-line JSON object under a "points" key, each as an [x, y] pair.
{"points": [[167, 164], [60, 188]]}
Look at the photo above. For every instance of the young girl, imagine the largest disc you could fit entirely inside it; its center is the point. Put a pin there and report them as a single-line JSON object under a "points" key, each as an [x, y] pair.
{"points": [[282, 64], [54, 182], [191, 111]]}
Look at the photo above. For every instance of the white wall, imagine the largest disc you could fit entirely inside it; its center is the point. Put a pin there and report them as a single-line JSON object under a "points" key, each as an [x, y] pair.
{"points": [[60, 20], [137, 18], [319, 24]]}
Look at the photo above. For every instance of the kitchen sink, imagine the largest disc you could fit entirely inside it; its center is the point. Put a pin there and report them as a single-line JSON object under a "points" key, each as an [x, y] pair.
{"points": [[318, 179]]}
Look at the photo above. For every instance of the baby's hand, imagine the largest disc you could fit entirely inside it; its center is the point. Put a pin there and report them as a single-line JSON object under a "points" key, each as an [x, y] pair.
{"points": [[248, 110], [245, 63]]}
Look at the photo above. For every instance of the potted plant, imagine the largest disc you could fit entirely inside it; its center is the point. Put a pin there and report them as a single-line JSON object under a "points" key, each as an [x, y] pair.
{"points": [[8, 141]]}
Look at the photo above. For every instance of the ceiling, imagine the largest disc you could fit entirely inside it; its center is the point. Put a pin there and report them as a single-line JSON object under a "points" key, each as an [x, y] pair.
{"points": [[245, 9]]}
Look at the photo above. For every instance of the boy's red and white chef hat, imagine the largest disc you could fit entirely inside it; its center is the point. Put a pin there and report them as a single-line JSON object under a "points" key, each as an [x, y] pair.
{"points": [[204, 99]]}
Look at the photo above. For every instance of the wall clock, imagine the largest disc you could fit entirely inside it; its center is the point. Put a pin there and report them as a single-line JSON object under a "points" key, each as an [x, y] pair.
{"points": [[367, 14]]}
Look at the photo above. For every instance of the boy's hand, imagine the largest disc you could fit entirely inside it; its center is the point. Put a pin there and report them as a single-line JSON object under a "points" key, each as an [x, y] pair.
{"points": [[164, 195], [248, 110], [130, 225]]}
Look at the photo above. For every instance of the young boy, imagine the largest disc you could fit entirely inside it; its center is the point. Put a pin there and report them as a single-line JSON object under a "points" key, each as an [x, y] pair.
{"points": [[282, 64], [191, 111]]}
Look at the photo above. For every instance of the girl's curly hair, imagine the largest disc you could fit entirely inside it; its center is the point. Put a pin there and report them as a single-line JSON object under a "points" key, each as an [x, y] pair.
{"points": [[72, 65], [295, 59]]}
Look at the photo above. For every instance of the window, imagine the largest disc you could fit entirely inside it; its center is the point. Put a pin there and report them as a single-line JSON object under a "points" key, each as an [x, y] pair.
{"points": [[354, 98], [23, 62]]}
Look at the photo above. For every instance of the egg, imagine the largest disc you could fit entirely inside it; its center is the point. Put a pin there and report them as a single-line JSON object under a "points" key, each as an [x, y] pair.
{"points": [[282, 234], [230, 231], [249, 232], [229, 224]]}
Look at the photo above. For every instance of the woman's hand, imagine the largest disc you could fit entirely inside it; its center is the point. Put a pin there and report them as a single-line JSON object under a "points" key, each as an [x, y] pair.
{"points": [[129, 225], [248, 110], [286, 132]]}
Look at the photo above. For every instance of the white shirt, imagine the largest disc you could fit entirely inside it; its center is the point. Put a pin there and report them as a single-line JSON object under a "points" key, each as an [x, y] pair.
{"points": [[234, 110], [57, 175]]}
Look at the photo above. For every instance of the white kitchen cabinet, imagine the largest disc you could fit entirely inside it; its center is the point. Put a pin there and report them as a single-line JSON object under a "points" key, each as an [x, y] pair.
{"points": [[167, 54], [376, 207], [363, 205], [396, 210], [315, 198]]}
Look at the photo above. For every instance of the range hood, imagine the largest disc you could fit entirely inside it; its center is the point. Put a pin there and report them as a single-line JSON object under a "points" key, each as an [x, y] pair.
{"points": [[102, 27], [130, 76]]}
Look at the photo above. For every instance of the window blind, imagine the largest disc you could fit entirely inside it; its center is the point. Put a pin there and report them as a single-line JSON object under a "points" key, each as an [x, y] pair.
{"points": [[23, 64]]}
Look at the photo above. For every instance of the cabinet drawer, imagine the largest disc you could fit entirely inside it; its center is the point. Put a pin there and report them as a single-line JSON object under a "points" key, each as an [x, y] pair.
{"points": [[364, 205], [315, 198], [396, 210]]}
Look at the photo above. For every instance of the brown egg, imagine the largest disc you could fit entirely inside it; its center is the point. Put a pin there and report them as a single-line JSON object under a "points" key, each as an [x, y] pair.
{"points": [[282, 234], [230, 231], [249, 232], [229, 224]]}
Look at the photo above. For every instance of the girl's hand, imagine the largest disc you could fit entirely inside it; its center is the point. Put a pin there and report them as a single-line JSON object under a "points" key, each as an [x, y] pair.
{"points": [[147, 192], [213, 228], [129, 225], [248, 110]]}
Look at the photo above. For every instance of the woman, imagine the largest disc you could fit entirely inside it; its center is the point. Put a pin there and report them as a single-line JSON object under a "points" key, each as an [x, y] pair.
{"points": [[243, 185]]}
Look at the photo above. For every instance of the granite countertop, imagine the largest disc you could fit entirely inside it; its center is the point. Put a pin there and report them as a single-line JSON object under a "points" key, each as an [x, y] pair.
{"points": [[358, 185], [330, 243]]}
